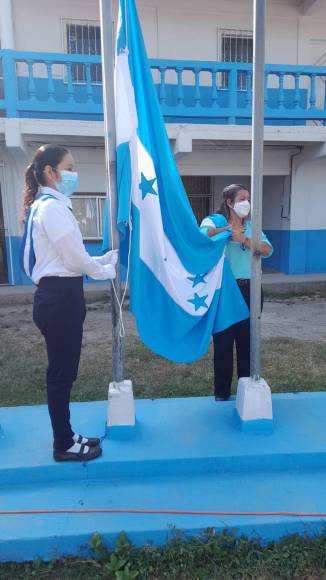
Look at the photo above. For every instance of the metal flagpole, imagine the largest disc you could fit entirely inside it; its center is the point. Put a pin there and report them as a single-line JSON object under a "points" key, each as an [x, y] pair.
{"points": [[110, 155], [257, 185]]}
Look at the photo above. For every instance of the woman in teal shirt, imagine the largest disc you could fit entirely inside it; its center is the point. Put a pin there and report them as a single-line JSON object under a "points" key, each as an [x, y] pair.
{"points": [[231, 217]]}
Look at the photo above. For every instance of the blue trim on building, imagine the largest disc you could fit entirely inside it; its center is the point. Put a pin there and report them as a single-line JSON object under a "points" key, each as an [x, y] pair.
{"points": [[214, 107], [297, 251], [225, 99]]}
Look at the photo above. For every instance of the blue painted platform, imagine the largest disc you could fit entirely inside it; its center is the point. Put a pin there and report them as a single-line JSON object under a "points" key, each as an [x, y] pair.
{"points": [[186, 454]]}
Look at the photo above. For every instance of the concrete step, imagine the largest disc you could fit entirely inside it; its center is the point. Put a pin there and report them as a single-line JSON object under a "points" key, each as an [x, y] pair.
{"points": [[49, 536], [184, 454]]}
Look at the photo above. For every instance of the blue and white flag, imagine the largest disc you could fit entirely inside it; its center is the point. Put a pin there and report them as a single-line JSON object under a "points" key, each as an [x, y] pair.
{"points": [[181, 288]]}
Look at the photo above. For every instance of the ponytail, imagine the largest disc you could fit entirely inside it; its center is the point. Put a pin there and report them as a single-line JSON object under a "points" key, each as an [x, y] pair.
{"points": [[30, 189], [34, 175]]}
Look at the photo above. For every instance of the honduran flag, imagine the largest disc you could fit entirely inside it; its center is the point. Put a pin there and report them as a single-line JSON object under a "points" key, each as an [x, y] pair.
{"points": [[181, 288]]}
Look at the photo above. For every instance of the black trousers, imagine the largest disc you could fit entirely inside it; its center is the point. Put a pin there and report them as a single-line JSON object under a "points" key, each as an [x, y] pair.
{"points": [[223, 351], [59, 312]]}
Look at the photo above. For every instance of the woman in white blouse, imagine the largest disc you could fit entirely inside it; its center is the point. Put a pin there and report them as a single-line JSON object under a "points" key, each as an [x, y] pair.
{"points": [[54, 257]]}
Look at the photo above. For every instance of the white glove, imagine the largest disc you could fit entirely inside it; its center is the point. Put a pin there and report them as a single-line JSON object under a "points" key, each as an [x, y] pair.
{"points": [[110, 257], [110, 271]]}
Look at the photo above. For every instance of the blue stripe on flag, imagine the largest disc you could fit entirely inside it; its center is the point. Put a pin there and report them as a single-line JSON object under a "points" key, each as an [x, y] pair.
{"points": [[167, 329]]}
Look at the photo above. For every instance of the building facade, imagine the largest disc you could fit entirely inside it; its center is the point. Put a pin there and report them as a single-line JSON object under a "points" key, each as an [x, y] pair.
{"points": [[200, 54]]}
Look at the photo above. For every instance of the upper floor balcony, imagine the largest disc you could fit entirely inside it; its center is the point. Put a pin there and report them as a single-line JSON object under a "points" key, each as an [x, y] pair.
{"points": [[64, 86]]}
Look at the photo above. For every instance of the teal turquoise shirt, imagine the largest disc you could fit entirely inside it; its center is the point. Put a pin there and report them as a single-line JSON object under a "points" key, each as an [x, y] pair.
{"points": [[239, 258]]}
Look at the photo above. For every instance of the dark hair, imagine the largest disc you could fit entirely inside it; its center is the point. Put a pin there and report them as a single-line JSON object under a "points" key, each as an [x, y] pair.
{"points": [[229, 192], [34, 177]]}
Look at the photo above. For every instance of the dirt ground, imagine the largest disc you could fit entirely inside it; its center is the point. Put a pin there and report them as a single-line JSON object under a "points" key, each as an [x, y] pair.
{"points": [[303, 319], [299, 318]]}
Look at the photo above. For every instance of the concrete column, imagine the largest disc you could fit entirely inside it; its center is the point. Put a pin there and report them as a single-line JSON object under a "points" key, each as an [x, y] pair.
{"points": [[6, 25]]}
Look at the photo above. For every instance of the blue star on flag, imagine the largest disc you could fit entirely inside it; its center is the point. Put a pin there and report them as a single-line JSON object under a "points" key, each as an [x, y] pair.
{"points": [[197, 279], [198, 301], [146, 186]]}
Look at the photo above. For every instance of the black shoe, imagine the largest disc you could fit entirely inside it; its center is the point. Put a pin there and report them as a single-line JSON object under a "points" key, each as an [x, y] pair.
{"points": [[91, 441], [221, 398], [92, 453]]}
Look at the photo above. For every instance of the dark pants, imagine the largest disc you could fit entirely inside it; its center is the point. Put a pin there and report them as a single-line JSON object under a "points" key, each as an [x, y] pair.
{"points": [[223, 351], [59, 312]]}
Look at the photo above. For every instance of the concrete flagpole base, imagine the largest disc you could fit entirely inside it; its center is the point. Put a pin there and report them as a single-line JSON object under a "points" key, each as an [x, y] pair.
{"points": [[254, 409], [121, 419]]}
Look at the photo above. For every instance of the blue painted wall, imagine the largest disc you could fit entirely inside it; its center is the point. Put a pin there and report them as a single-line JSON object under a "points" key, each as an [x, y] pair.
{"points": [[297, 251], [172, 109], [190, 111]]}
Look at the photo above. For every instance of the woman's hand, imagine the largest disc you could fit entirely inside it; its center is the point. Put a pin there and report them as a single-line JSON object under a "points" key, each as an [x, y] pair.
{"points": [[215, 231], [110, 258], [238, 235]]}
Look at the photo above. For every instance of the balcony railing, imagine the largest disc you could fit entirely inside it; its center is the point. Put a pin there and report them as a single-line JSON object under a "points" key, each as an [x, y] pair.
{"points": [[51, 85]]}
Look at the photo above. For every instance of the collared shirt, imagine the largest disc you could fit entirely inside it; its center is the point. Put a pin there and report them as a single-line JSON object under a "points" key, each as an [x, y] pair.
{"points": [[58, 244], [238, 256]]}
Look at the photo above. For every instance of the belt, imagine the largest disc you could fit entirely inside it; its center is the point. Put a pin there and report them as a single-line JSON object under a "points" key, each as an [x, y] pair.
{"points": [[243, 281], [58, 282]]}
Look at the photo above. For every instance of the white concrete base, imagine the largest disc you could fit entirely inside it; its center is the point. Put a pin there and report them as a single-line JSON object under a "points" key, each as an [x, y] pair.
{"points": [[254, 400], [121, 405]]}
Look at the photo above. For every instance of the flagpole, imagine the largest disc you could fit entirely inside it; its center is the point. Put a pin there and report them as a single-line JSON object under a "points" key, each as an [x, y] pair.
{"points": [[257, 186], [107, 39]]}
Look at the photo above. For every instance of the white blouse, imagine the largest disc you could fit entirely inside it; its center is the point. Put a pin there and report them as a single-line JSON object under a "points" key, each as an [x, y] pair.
{"points": [[58, 243]]}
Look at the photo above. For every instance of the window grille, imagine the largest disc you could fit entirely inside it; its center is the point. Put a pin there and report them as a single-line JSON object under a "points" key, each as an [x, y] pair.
{"points": [[235, 46], [198, 189], [84, 38]]}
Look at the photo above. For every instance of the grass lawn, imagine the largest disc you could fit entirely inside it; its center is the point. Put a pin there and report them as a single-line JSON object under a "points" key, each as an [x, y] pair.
{"points": [[288, 365], [208, 558]]}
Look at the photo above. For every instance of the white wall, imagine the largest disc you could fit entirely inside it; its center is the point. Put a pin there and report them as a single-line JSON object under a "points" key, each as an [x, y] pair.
{"points": [[275, 202], [230, 161], [13, 166], [183, 29], [221, 164], [308, 203]]}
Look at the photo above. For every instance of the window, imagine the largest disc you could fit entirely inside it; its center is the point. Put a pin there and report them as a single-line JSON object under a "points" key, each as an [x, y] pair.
{"points": [[198, 189], [236, 46], [89, 212], [84, 38]]}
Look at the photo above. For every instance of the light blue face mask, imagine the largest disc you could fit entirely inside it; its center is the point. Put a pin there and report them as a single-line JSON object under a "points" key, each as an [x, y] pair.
{"points": [[69, 182]]}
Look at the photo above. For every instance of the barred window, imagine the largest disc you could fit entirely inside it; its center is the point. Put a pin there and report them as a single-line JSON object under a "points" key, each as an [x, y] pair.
{"points": [[198, 189], [235, 46], [84, 38]]}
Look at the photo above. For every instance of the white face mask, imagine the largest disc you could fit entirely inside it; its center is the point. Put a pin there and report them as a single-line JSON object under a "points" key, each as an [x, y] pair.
{"points": [[242, 208]]}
